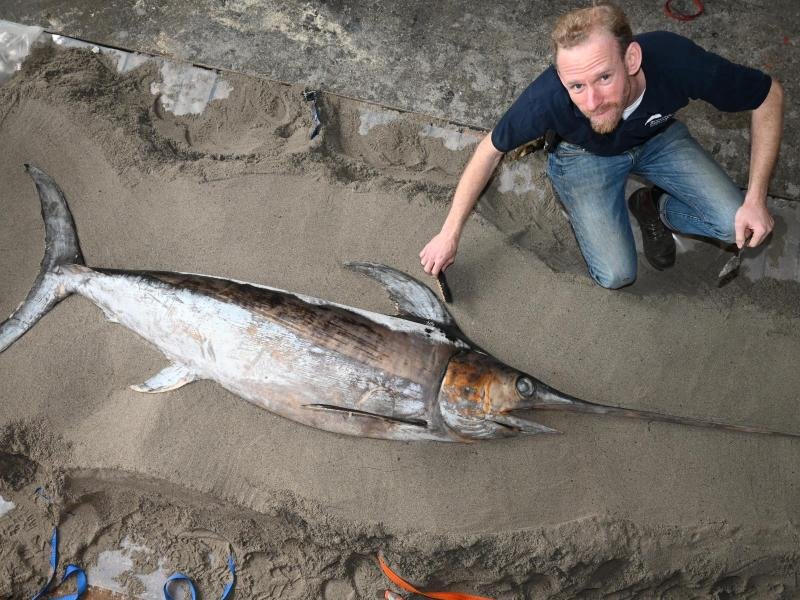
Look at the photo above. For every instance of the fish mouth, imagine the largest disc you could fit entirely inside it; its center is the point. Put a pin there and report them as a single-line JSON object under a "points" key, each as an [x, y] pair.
{"points": [[519, 424]]}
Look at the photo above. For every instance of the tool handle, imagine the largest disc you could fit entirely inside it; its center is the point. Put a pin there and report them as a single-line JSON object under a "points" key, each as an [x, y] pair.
{"points": [[447, 295]]}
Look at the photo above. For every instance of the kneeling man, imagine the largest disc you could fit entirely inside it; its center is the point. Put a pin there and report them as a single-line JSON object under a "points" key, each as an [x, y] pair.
{"points": [[611, 98]]}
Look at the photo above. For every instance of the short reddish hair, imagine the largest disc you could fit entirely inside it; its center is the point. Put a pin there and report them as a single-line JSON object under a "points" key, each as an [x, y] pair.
{"points": [[574, 28]]}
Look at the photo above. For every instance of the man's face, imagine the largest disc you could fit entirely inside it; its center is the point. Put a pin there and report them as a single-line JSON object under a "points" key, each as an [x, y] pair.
{"points": [[597, 80]]}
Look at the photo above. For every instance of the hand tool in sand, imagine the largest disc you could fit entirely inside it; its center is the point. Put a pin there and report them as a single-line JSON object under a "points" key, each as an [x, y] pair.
{"points": [[447, 296], [312, 96], [731, 268]]}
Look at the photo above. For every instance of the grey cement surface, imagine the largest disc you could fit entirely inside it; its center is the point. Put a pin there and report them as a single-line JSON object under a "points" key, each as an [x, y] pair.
{"points": [[462, 61]]}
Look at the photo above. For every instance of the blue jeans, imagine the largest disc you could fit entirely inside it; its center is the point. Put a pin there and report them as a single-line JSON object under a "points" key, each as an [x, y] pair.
{"points": [[700, 198]]}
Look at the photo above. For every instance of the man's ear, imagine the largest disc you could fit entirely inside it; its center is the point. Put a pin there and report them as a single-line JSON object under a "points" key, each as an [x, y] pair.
{"points": [[633, 58]]}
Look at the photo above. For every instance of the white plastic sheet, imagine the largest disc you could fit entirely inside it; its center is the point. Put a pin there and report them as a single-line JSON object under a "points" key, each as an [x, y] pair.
{"points": [[126, 61], [184, 88], [5, 506], [15, 43]]}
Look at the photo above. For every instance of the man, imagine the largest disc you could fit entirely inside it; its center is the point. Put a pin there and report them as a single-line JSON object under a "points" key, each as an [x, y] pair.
{"points": [[611, 98]]}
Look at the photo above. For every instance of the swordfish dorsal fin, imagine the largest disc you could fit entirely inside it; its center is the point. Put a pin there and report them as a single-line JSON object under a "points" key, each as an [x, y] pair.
{"points": [[167, 379], [413, 298]]}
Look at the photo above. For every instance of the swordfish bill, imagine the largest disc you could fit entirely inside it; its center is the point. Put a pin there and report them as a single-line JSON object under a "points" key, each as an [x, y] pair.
{"points": [[414, 376]]}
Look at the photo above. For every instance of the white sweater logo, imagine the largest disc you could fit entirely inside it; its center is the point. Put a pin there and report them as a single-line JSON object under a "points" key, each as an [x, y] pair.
{"points": [[657, 119]]}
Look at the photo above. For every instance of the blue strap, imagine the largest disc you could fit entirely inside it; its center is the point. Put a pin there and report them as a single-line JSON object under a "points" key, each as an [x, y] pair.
{"points": [[53, 564], [229, 588], [71, 570], [181, 577], [54, 550], [178, 577], [80, 582]]}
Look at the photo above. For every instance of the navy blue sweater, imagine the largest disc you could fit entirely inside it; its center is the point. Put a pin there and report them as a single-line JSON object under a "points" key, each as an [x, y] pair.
{"points": [[676, 70]]}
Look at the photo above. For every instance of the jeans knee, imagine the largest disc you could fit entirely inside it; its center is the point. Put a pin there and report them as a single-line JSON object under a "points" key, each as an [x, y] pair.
{"points": [[614, 280], [727, 233], [722, 222]]}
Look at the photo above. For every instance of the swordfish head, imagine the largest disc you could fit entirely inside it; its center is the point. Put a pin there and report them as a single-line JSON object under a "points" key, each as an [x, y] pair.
{"points": [[479, 395]]}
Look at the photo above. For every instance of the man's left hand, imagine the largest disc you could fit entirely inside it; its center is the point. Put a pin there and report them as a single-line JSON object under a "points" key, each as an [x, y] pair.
{"points": [[754, 217]]}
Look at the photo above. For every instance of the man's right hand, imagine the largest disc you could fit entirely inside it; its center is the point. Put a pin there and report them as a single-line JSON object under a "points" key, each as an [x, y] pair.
{"points": [[439, 253]]}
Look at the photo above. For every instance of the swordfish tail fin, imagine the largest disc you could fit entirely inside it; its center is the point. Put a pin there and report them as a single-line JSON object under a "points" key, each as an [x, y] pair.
{"points": [[61, 248]]}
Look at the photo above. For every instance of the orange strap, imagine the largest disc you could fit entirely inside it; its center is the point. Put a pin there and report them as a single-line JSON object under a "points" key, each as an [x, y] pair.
{"points": [[398, 581]]}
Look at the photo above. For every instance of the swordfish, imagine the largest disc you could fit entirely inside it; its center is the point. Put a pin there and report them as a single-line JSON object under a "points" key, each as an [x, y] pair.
{"points": [[414, 376]]}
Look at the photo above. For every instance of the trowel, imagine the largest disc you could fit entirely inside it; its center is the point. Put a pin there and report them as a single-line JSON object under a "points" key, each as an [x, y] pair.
{"points": [[731, 268]]}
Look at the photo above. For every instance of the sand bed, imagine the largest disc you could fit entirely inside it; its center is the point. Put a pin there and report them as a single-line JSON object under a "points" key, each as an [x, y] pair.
{"points": [[631, 509]]}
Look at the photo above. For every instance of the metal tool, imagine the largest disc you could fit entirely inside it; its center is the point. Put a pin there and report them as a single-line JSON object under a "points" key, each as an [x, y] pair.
{"points": [[447, 296], [551, 141], [311, 96], [548, 142], [731, 268]]}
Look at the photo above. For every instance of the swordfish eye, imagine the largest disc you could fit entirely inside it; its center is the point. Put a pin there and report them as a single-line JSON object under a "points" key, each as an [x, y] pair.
{"points": [[525, 386]]}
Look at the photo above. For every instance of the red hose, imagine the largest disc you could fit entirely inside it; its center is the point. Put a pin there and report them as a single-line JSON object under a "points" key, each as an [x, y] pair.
{"points": [[670, 12], [401, 583]]}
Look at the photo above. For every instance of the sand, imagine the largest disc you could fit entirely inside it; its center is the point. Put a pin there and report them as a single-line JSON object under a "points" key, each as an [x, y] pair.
{"points": [[615, 508]]}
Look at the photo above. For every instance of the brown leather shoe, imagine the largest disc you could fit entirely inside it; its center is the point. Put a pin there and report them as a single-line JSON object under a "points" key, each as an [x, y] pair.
{"points": [[659, 245]]}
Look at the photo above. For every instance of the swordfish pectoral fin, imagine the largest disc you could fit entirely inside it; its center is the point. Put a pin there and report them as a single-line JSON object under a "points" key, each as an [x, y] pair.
{"points": [[352, 421], [353, 412], [412, 297], [170, 378]]}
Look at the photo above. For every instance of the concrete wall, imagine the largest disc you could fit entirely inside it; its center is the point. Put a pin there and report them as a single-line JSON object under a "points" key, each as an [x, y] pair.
{"points": [[463, 61]]}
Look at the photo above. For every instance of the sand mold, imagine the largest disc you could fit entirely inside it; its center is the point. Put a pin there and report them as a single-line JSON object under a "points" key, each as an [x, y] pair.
{"points": [[287, 551], [240, 191]]}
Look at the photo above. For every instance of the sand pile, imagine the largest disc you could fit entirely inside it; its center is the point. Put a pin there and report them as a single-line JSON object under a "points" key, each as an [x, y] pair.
{"points": [[144, 485]]}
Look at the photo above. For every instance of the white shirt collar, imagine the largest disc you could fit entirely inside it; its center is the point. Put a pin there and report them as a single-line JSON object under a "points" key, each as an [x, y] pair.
{"points": [[629, 111]]}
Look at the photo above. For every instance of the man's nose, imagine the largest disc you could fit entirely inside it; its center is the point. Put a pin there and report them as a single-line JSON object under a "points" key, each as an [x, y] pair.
{"points": [[593, 99]]}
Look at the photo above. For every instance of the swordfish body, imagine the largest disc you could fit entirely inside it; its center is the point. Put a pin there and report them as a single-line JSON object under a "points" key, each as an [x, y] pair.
{"points": [[342, 369]]}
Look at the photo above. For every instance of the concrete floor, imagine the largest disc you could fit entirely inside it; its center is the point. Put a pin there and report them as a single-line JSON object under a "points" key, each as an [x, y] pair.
{"points": [[461, 61]]}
